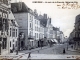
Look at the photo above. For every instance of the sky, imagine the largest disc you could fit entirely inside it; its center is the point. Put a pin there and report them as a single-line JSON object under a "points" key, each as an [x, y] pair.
{"points": [[63, 18]]}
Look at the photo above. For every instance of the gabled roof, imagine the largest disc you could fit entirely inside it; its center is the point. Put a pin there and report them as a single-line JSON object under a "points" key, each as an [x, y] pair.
{"points": [[11, 17], [20, 7]]}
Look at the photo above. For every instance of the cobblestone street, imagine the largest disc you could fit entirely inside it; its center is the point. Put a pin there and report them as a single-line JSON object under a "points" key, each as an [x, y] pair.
{"points": [[55, 52]]}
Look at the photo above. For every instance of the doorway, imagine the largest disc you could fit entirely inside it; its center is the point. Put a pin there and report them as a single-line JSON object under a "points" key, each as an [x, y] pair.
{"points": [[22, 44]]}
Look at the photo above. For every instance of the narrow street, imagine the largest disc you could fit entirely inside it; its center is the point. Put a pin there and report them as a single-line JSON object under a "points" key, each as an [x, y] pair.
{"points": [[55, 49], [55, 52]]}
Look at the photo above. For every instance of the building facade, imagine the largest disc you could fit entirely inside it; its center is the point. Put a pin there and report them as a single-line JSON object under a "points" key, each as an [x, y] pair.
{"points": [[61, 37], [13, 32], [4, 12], [24, 16], [77, 32]]}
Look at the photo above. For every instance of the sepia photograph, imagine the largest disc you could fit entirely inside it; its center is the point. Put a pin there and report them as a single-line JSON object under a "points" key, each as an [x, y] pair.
{"points": [[39, 29]]}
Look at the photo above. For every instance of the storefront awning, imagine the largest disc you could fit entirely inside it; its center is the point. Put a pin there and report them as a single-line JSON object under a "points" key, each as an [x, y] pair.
{"points": [[52, 40]]}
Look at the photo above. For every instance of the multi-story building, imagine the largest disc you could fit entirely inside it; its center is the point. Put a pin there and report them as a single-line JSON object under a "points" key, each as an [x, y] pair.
{"points": [[4, 12], [77, 32], [45, 21], [51, 31], [41, 35], [13, 32], [54, 33], [24, 16], [61, 36], [36, 27], [71, 36], [58, 35]]}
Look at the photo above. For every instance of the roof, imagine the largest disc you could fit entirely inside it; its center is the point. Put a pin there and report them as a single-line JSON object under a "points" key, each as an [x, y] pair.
{"points": [[20, 7], [55, 28], [43, 21], [11, 17], [77, 18]]}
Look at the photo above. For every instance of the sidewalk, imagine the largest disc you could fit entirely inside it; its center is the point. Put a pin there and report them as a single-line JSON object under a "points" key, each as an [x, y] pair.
{"points": [[73, 50], [22, 54], [36, 49], [27, 51], [70, 49]]}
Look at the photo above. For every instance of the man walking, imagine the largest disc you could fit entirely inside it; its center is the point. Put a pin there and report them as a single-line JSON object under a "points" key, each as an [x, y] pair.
{"points": [[16, 49]]}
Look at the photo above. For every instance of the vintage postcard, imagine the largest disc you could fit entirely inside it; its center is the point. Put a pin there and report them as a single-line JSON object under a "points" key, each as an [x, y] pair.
{"points": [[39, 29]]}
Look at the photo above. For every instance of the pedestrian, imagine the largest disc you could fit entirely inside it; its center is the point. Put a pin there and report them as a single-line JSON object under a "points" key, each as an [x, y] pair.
{"points": [[16, 49], [29, 55], [64, 51], [72, 46]]}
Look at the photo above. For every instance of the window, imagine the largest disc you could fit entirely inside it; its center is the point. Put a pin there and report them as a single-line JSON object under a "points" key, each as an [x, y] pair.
{"points": [[16, 32], [4, 43], [35, 21], [38, 36], [10, 32], [30, 17], [30, 25], [35, 28], [10, 43], [13, 33], [35, 35], [79, 27], [13, 46], [30, 33]]}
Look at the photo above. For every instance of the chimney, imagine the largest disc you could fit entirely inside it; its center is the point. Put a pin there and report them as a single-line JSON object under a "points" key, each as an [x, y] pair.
{"points": [[20, 6], [35, 13], [45, 16], [50, 20]]}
